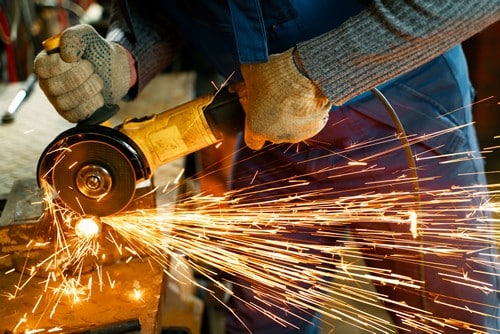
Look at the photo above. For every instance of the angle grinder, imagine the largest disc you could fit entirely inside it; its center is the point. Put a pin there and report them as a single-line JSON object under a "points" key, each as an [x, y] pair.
{"points": [[95, 170]]}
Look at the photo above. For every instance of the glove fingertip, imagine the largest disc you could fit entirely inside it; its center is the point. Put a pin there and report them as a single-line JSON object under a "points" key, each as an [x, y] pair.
{"points": [[71, 49], [253, 141], [83, 111]]}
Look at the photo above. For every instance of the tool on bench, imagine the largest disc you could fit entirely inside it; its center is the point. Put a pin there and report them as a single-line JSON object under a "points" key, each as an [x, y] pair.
{"points": [[22, 94]]}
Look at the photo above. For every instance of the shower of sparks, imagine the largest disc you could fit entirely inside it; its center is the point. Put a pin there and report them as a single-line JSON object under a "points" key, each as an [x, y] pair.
{"points": [[258, 242]]}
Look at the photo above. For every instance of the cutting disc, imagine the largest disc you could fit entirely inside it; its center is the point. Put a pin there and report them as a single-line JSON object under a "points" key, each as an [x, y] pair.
{"points": [[93, 170]]}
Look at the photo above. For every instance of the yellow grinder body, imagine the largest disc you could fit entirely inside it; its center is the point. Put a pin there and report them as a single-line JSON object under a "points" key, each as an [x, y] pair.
{"points": [[94, 170]]}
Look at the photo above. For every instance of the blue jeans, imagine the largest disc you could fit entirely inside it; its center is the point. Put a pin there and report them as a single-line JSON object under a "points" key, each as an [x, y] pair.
{"points": [[435, 97]]}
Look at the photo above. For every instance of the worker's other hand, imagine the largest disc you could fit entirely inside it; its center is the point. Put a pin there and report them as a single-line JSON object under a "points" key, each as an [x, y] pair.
{"points": [[281, 104], [85, 74]]}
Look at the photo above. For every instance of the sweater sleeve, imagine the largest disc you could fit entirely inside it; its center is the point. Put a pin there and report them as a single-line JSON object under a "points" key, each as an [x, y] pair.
{"points": [[148, 35], [389, 38]]}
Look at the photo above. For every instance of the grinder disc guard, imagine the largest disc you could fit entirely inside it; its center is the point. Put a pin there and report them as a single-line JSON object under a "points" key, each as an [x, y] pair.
{"points": [[93, 169]]}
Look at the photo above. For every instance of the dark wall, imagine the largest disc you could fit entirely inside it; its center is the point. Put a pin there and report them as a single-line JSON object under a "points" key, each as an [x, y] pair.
{"points": [[483, 53]]}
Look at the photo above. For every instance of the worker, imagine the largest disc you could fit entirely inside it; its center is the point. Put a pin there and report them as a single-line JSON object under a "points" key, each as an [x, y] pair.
{"points": [[305, 71]]}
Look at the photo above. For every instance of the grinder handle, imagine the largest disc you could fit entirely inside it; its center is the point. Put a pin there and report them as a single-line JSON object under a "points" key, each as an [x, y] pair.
{"points": [[225, 114], [102, 114], [187, 128]]}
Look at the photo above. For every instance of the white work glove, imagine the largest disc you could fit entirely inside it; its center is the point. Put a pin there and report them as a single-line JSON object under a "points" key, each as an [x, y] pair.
{"points": [[85, 74], [281, 104]]}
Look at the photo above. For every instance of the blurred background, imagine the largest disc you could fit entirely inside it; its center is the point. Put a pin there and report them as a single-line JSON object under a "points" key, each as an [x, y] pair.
{"points": [[33, 123]]}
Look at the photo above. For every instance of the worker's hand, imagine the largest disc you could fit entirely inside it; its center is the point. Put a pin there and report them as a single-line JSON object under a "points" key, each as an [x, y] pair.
{"points": [[281, 104], [85, 74]]}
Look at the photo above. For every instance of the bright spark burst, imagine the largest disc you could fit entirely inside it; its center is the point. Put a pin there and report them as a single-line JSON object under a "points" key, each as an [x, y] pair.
{"points": [[258, 242], [87, 227]]}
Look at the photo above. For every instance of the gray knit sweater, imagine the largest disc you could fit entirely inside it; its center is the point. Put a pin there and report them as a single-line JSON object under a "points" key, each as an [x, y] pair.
{"points": [[388, 38]]}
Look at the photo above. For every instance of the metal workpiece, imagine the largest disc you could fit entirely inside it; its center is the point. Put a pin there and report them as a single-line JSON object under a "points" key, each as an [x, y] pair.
{"points": [[29, 231], [135, 294], [120, 327], [46, 288], [22, 225], [23, 203]]}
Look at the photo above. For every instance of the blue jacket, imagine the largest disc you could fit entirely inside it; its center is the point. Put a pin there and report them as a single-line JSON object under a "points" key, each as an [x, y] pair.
{"points": [[225, 34]]}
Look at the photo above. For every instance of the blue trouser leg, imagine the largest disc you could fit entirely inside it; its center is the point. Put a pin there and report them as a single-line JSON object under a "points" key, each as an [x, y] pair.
{"points": [[433, 98]]}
